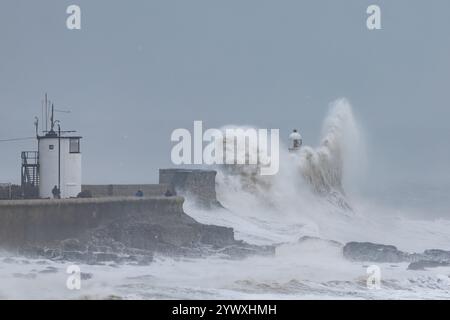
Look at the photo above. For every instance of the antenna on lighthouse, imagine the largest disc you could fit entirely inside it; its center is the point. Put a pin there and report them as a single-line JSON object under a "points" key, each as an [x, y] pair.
{"points": [[46, 112], [52, 118]]}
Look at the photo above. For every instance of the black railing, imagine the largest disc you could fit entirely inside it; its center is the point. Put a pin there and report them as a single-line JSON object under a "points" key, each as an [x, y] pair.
{"points": [[30, 157], [30, 174]]}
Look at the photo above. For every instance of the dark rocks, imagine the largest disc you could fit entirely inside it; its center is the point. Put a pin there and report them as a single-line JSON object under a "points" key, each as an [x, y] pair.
{"points": [[166, 234], [435, 254], [424, 264], [124, 230], [366, 251], [74, 256], [51, 253], [245, 250], [432, 258], [72, 245], [317, 239], [135, 241]]}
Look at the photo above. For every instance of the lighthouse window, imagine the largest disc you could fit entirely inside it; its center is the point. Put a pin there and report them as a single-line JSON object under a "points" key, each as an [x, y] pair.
{"points": [[74, 145]]}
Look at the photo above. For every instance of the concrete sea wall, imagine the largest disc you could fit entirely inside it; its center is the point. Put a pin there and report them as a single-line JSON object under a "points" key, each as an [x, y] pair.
{"points": [[45, 221], [10, 191], [199, 185], [36, 222], [126, 190]]}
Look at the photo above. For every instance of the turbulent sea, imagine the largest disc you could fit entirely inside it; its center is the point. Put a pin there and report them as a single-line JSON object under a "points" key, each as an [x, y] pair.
{"points": [[314, 194]]}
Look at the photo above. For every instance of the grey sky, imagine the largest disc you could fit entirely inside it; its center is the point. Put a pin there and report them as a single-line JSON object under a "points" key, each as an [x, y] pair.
{"points": [[139, 69]]}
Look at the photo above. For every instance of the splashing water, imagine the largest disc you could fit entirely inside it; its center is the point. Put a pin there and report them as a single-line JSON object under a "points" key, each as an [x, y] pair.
{"points": [[309, 181], [322, 169]]}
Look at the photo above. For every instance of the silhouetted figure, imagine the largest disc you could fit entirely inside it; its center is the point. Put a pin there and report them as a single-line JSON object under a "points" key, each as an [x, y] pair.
{"points": [[168, 193], [56, 193], [139, 194]]}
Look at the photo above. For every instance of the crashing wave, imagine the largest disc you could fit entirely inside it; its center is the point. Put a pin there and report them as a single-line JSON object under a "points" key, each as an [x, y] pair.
{"points": [[322, 169]]}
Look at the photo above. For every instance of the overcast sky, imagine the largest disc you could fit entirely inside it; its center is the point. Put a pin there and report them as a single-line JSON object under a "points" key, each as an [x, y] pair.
{"points": [[139, 69]]}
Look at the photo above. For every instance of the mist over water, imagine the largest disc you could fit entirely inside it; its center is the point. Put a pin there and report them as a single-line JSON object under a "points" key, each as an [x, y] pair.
{"points": [[312, 195]]}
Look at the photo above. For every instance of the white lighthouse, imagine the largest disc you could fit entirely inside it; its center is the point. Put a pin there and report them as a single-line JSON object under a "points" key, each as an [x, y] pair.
{"points": [[296, 141], [54, 171], [59, 165]]}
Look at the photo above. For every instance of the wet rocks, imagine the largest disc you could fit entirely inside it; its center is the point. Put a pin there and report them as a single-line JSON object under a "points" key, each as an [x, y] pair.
{"points": [[372, 252], [74, 256], [117, 229], [437, 255], [367, 251], [72, 245], [135, 241], [424, 264], [432, 258], [243, 250], [320, 240], [167, 235]]}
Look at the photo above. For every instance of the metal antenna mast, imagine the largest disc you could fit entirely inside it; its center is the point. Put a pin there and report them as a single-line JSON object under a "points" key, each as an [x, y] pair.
{"points": [[46, 112]]}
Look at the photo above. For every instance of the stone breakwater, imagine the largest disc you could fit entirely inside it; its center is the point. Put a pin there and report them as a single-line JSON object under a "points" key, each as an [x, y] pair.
{"points": [[195, 184], [113, 229]]}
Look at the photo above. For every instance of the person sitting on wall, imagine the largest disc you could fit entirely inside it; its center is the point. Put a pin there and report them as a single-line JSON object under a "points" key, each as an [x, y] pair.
{"points": [[85, 194], [139, 194], [56, 193]]}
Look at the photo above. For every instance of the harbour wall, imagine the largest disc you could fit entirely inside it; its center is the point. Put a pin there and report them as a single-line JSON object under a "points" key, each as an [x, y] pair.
{"points": [[195, 184], [35, 222], [9, 191], [125, 190]]}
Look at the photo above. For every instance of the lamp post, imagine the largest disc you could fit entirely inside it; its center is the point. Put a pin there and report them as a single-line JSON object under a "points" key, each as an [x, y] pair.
{"points": [[59, 159], [59, 156]]}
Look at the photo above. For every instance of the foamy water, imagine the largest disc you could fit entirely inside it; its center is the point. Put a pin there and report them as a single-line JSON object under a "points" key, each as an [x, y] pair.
{"points": [[309, 197]]}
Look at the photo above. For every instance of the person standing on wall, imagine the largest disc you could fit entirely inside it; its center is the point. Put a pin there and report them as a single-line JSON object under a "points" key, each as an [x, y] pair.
{"points": [[56, 193]]}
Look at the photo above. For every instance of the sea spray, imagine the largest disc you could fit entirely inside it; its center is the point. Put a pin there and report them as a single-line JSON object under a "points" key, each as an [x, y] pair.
{"points": [[338, 157], [321, 170]]}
